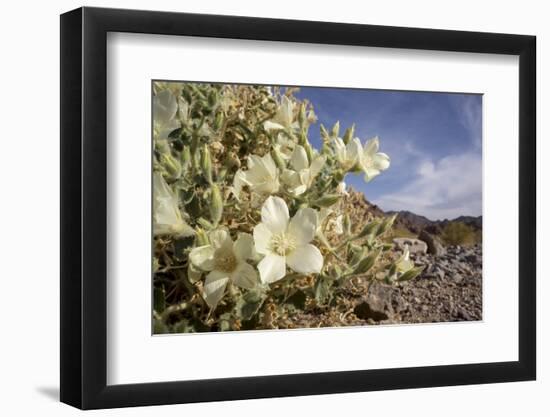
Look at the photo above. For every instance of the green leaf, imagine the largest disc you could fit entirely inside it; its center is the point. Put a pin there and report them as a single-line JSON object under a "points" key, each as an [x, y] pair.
{"points": [[249, 304], [369, 228], [386, 224], [410, 274], [322, 290], [366, 264]]}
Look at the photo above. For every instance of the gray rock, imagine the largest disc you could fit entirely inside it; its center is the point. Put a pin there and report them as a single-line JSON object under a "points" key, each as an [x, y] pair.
{"points": [[434, 245], [377, 304], [463, 314], [416, 246]]}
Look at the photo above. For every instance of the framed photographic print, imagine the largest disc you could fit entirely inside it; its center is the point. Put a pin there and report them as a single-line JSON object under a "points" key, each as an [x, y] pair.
{"points": [[257, 208]]}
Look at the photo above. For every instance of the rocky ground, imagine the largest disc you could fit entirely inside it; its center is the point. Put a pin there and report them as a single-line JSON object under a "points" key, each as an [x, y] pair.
{"points": [[449, 290]]}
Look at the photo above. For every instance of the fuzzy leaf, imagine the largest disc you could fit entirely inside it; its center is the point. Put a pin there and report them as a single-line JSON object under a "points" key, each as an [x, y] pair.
{"points": [[322, 290], [366, 264], [249, 304], [410, 274]]}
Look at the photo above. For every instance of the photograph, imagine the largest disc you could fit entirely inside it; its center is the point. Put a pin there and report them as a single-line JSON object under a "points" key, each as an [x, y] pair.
{"points": [[300, 207]]}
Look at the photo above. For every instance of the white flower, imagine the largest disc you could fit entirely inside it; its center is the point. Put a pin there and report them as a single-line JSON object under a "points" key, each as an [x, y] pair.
{"points": [[285, 146], [371, 161], [404, 264], [225, 261], [284, 118], [347, 155], [262, 176], [301, 177], [286, 242], [165, 107], [167, 218]]}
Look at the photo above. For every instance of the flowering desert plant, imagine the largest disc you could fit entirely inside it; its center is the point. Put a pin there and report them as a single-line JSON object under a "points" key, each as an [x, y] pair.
{"points": [[250, 221]]}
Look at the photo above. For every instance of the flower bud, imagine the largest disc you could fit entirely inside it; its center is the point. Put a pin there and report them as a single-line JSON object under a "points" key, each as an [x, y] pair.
{"points": [[386, 224], [350, 132], [302, 118], [324, 134], [212, 98], [278, 158], [206, 163], [369, 229], [218, 121], [335, 129], [171, 165], [328, 200], [309, 151], [216, 204], [346, 223], [201, 238], [185, 157], [366, 264]]}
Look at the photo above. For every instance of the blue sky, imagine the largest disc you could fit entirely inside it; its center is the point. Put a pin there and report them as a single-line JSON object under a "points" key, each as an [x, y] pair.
{"points": [[433, 140]]}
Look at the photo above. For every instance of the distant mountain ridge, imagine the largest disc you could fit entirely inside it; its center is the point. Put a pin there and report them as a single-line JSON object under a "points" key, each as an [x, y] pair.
{"points": [[357, 203], [416, 222]]}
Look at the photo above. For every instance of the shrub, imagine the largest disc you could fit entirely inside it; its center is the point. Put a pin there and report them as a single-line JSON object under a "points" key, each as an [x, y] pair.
{"points": [[248, 217], [458, 233]]}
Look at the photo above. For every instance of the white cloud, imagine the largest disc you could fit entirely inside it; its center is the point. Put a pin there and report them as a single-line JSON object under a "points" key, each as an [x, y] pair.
{"points": [[448, 188], [469, 112]]}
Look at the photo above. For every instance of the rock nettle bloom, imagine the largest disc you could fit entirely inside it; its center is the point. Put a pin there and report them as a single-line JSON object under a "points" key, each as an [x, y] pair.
{"points": [[165, 107], [167, 217], [225, 261], [371, 161], [404, 264], [301, 177], [284, 241], [347, 155], [262, 176], [284, 118]]}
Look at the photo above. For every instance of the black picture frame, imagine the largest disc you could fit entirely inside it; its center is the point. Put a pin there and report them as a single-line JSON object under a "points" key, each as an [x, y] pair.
{"points": [[84, 207]]}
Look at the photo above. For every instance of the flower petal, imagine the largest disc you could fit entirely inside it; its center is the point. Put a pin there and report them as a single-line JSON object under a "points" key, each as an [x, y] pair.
{"points": [[381, 161], [299, 160], [354, 149], [306, 259], [269, 165], [371, 147], [286, 111], [303, 225], [272, 268], [219, 238], [268, 187], [239, 181], [317, 166], [275, 214], [370, 173], [245, 276], [243, 248], [203, 257], [214, 287], [270, 125], [262, 239]]}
